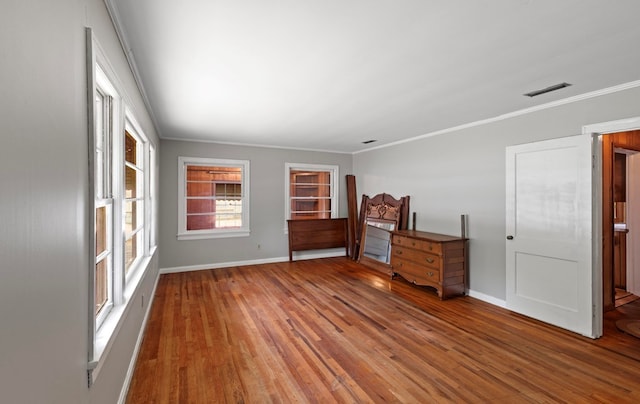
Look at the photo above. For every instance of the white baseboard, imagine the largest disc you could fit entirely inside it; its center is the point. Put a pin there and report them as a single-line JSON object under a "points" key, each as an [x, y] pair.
{"points": [[297, 256], [488, 299]]}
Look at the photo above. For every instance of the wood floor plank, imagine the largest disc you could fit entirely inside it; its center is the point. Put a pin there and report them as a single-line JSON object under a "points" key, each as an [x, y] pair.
{"points": [[332, 330]]}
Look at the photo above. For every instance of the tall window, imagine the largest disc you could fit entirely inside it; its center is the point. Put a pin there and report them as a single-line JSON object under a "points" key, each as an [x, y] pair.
{"points": [[107, 102], [119, 162], [134, 194], [311, 191], [213, 198]]}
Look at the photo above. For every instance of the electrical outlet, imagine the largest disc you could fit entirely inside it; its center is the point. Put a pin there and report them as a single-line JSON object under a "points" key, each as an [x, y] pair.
{"points": [[259, 246]]}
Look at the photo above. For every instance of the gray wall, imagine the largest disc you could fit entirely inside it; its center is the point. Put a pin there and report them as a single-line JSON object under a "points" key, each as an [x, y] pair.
{"points": [[266, 204], [464, 173], [44, 262]]}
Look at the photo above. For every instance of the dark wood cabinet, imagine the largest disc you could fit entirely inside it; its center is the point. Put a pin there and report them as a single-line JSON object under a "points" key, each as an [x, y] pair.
{"points": [[430, 259]]}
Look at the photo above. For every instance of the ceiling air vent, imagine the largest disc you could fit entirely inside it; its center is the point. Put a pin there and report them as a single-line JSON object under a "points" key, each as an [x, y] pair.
{"points": [[547, 90]]}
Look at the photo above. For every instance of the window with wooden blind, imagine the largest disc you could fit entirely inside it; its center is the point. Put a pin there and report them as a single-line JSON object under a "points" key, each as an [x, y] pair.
{"points": [[213, 199]]}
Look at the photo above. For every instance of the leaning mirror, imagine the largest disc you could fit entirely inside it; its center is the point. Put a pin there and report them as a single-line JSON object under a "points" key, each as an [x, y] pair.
{"points": [[377, 239], [379, 216]]}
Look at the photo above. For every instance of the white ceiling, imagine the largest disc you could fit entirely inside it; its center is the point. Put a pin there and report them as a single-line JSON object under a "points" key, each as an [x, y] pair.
{"points": [[330, 74]]}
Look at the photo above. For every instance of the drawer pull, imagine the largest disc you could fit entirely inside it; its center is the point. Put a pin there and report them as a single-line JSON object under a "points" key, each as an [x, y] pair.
{"points": [[430, 273], [430, 260], [413, 243], [399, 252]]}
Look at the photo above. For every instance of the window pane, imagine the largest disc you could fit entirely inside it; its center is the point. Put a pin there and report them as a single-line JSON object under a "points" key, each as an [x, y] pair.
{"points": [[309, 205], [134, 190], [99, 174], [324, 205], [130, 148], [101, 292], [130, 182], [304, 205], [310, 215], [213, 197], [99, 142], [214, 173], [229, 213], [201, 206], [201, 222], [310, 190], [130, 252], [310, 193], [310, 177], [130, 216], [102, 153], [228, 191], [311, 209], [101, 230], [100, 110], [199, 189], [229, 221]]}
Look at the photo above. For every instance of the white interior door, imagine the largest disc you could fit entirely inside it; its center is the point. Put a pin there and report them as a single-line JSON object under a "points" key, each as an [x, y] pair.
{"points": [[549, 231]]}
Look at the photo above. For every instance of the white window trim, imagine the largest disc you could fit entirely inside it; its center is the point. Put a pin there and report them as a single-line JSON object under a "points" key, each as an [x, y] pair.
{"points": [[183, 233], [334, 175]]}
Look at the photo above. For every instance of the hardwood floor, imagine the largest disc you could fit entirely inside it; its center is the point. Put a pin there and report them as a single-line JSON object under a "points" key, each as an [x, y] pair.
{"points": [[332, 330], [623, 297]]}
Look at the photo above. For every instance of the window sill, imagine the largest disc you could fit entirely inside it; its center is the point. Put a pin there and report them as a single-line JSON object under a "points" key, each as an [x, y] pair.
{"points": [[106, 334], [207, 234]]}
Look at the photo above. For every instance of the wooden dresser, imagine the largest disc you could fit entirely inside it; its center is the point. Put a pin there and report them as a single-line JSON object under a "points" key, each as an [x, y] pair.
{"points": [[430, 259]]}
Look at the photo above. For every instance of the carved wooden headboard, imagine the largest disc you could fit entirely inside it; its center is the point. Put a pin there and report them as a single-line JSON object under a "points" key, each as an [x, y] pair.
{"points": [[384, 208]]}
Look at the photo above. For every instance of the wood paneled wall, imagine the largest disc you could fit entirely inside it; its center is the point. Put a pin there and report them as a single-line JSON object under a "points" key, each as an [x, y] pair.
{"points": [[628, 140]]}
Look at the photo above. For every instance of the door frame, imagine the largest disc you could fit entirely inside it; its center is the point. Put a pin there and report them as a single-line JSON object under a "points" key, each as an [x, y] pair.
{"points": [[633, 200], [595, 131]]}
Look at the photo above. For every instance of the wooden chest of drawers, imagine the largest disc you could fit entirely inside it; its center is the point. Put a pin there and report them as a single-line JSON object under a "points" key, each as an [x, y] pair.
{"points": [[430, 259]]}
